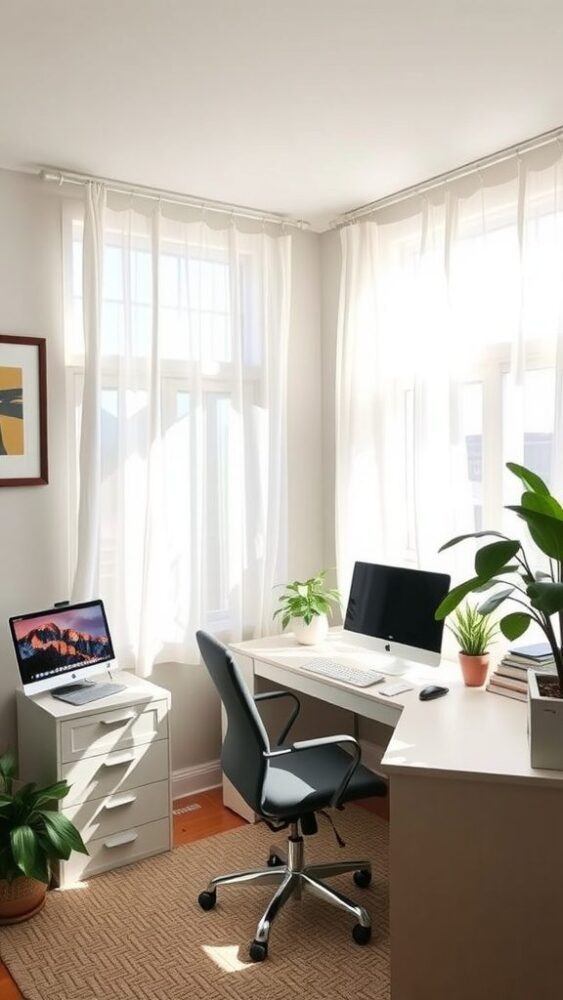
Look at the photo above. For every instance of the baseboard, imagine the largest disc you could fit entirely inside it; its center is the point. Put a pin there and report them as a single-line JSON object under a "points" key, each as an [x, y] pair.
{"points": [[199, 778], [371, 757]]}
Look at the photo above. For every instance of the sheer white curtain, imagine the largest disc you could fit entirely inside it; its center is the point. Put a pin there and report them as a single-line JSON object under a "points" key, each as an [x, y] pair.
{"points": [[182, 469], [449, 362]]}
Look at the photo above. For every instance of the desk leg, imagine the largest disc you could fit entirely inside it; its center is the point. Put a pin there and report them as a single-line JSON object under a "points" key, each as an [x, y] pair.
{"points": [[476, 890]]}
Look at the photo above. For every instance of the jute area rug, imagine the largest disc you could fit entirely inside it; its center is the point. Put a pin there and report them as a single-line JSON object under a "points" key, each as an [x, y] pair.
{"points": [[138, 933]]}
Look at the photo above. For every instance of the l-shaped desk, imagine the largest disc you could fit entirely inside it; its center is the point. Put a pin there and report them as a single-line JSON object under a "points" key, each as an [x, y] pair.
{"points": [[476, 887]]}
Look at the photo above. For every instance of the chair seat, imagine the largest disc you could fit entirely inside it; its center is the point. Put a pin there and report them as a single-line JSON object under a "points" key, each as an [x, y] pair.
{"points": [[305, 781]]}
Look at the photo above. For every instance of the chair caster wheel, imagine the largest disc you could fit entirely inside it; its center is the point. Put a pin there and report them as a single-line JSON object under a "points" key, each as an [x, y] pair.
{"points": [[207, 899], [274, 861], [258, 951], [362, 878], [361, 935]]}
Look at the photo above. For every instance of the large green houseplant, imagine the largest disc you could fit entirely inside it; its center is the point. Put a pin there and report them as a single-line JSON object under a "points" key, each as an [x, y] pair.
{"points": [[33, 834], [504, 567], [540, 593]]}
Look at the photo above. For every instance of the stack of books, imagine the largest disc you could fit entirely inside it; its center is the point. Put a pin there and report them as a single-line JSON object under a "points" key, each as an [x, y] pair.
{"points": [[511, 675]]}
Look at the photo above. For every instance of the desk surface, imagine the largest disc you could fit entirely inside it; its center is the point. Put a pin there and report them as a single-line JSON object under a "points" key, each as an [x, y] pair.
{"points": [[467, 733]]}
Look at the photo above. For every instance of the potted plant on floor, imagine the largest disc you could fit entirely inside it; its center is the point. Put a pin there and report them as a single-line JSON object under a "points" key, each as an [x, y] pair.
{"points": [[32, 836], [305, 606], [539, 595], [474, 633]]}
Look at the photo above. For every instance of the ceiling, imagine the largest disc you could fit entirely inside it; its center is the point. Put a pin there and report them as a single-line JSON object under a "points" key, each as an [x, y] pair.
{"points": [[306, 107]]}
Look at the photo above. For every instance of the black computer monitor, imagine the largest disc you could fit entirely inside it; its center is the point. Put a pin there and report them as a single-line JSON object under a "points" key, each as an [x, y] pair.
{"points": [[391, 610]]}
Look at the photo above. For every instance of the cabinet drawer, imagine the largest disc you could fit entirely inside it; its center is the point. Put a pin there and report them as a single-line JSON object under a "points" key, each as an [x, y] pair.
{"points": [[117, 849], [96, 777], [101, 817], [104, 732]]}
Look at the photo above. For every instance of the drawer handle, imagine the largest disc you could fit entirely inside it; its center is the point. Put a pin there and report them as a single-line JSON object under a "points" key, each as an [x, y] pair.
{"points": [[124, 758], [119, 721], [123, 800], [121, 838]]}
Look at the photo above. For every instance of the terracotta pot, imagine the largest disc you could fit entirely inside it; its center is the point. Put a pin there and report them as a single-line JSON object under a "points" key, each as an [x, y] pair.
{"points": [[474, 669], [21, 899]]}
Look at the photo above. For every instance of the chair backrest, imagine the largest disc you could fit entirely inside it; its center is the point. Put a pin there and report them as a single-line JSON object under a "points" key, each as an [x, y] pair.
{"points": [[242, 757]]}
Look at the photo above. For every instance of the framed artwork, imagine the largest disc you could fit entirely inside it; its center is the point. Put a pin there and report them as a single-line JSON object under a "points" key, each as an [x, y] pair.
{"points": [[23, 411]]}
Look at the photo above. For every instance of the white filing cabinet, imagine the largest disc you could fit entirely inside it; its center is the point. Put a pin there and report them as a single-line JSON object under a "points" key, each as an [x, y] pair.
{"points": [[115, 755]]}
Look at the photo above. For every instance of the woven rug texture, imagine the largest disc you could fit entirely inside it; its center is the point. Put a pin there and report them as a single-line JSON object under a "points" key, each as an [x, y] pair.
{"points": [[137, 933]]}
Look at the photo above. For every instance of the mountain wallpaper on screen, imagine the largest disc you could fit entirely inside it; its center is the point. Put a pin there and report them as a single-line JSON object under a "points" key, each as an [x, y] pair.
{"points": [[49, 646]]}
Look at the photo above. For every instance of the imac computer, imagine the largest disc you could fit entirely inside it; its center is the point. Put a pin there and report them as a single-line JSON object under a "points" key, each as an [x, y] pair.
{"points": [[57, 649], [391, 610]]}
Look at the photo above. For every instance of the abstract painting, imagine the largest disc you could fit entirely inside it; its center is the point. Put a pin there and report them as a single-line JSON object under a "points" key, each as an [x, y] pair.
{"points": [[23, 411], [11, 411]]}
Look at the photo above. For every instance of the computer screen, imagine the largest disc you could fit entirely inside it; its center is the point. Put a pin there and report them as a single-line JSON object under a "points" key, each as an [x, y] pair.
{"points": [[396, 606], [68, 640]]}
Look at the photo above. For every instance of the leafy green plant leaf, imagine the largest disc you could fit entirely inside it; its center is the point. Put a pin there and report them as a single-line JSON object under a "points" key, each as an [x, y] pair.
{"points": [[546, 596], [7, 770], [62, 834], [455, 597], [491, 559], [52, 793], [546, 531], [493, 602], [542, 504], [494, 581], [471, 534], [515, 624], [24, 847], [529, 478]]}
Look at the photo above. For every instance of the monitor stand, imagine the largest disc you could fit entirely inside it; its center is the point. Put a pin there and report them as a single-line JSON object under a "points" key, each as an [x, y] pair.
{"points": [[392, 666]]}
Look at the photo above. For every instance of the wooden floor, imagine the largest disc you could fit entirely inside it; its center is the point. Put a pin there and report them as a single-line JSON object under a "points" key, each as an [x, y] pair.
{"points": [[211, 817]]}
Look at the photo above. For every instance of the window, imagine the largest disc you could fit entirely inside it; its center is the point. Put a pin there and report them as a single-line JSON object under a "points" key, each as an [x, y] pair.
{"points": [[475, 324], [185, 437]]}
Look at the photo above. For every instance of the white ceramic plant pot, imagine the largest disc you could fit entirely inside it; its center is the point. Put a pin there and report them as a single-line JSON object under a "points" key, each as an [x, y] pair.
{"points": [[309, 635], [545, 726]]}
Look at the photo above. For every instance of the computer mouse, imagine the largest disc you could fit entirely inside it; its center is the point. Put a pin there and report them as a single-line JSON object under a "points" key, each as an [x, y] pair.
{"points": [[432, 691]]}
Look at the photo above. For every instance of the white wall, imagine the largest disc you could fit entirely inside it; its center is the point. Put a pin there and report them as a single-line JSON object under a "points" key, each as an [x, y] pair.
{"points": [[34, 520]]}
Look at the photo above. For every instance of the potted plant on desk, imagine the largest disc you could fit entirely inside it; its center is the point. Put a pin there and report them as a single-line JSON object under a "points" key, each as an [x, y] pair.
{"points": [[474, 633], [32, 835], [305, 606], [539, 596]]}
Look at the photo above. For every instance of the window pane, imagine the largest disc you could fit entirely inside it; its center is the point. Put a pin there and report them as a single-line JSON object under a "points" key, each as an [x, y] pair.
{"points": [[409, 469], [528, 419], [218, 406], [472, 430]]}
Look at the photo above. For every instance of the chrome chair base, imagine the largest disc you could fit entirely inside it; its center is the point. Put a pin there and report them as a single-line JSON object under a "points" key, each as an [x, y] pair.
{"points": [[291, 876]]}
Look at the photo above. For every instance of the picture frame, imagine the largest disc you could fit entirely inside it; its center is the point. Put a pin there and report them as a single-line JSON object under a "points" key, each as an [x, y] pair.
{"points": [[23, 411]]}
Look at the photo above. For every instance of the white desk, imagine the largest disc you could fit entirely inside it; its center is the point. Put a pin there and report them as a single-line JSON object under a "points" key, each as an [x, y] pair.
{"points": [[476, 891]]}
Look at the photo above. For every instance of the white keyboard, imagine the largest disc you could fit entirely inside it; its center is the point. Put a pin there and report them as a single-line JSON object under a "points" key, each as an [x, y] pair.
{"points": [[342, 672]]}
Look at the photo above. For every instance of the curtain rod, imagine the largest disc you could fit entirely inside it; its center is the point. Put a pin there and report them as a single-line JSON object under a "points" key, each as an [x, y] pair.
{"points": [[171, 197], [472, 167]]}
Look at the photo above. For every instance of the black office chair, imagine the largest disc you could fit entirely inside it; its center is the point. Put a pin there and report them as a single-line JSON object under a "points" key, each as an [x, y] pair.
{"points": [[286, 787]]}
